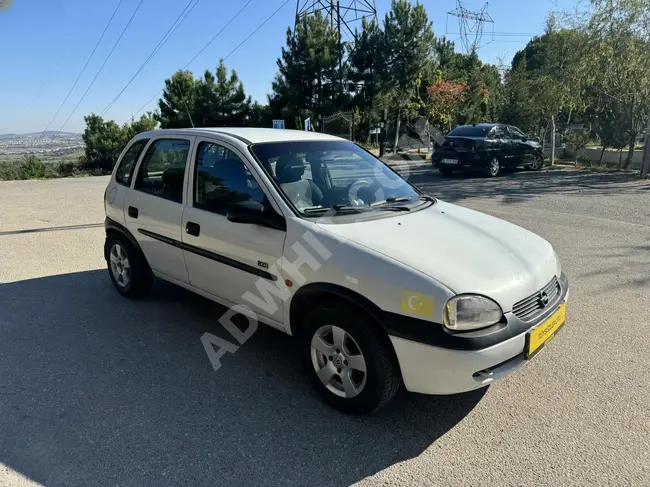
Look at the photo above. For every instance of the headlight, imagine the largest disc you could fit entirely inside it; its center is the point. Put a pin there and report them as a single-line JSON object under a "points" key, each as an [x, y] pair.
{"points": [[470, 312], [558, 266]]}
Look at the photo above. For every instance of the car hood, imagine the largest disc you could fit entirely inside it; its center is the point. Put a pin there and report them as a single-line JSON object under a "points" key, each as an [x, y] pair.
{"points": [[465, 250]]}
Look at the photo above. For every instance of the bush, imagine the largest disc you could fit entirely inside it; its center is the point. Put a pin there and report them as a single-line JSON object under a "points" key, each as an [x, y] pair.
{"points": [[32, 168], [66, 169], [9, 171]]}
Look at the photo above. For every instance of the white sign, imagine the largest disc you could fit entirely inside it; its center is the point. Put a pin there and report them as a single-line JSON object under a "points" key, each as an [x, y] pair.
{"points": [[308, 124], [278, 124], [375, 131]]}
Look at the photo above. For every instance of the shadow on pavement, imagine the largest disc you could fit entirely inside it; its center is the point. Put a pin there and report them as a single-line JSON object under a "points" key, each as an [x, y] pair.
{"points": [[518, 185], [96, 389]]}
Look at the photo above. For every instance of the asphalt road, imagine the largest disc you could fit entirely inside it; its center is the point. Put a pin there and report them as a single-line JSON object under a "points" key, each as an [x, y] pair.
{"points": [[99, 390]]}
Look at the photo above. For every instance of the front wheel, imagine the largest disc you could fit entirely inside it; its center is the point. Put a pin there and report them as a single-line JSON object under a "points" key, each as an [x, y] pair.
{"points": [[537, 163], [350, 364]]}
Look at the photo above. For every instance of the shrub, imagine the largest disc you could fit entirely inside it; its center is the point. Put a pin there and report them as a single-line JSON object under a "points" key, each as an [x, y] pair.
{"points": [[32, 168], [9, 171]]}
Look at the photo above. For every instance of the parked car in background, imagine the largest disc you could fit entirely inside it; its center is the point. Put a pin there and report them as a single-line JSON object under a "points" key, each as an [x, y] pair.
{"points": [[488, 148]]}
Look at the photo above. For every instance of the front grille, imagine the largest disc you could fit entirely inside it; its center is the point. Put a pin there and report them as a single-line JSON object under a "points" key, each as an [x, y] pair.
{"points": [[529, 308]]}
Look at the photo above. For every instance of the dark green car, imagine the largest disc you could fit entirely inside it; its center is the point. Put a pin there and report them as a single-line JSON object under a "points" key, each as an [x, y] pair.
{"points": [[486, 148]]}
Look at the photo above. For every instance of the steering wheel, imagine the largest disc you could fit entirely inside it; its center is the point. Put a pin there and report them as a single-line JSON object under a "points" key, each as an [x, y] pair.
{"points": [[360, 193]]}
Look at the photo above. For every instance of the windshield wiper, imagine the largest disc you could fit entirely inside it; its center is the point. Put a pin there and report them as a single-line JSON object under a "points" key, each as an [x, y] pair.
{"points": [[337, 209], [404, 199]]}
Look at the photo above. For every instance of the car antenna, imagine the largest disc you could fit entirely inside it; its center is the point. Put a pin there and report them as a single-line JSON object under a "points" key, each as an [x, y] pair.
{"points": [[188, 112]]}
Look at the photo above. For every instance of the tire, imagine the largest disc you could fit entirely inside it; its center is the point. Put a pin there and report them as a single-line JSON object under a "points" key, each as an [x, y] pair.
{"points": [[494, 168], [127, 267], [537, 164], [369, 348], [444, 171]]}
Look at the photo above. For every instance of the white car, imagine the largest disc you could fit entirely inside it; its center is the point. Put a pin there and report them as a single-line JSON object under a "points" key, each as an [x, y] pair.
{"points": [[316, 237]]}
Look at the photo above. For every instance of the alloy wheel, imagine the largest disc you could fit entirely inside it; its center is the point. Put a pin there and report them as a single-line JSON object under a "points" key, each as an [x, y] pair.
{"points": [[338, 361], [120, 266], [494, 166]]}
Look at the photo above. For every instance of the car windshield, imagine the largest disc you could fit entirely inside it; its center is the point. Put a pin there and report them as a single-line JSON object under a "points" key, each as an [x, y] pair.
{"points": [[470, 131], [317, 176]]}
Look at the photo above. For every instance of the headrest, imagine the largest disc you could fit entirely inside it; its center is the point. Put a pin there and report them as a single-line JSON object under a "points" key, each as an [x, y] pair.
{"points": [[289, 168]]}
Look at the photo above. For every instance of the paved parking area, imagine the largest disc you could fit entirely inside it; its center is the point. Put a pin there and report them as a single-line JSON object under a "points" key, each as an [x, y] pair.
{"points": [[99, 390]]}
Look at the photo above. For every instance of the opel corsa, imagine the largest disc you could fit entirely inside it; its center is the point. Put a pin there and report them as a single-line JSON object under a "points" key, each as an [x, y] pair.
{"points": [[378, 282]]}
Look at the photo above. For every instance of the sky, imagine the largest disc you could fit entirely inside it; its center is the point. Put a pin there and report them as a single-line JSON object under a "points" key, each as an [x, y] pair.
{"points": [[44, 44]]}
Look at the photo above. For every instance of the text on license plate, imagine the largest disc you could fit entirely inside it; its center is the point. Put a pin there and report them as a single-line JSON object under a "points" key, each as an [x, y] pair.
{"points": [[449, 161], [539, 335]]}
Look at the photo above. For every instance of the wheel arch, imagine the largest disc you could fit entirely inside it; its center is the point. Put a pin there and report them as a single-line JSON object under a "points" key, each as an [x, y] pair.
{"points": [[112, 227], [315, 293]]}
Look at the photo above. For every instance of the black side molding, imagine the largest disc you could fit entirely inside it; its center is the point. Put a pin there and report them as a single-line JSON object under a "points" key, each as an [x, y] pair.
{"points": [[210, 255]]}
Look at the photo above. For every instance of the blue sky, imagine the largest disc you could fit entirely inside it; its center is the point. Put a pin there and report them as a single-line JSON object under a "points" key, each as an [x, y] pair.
{"points": [[44, 44]]}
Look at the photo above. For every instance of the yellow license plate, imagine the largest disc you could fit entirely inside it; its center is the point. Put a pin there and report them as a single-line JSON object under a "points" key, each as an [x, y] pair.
{"points": [[541, 334]]}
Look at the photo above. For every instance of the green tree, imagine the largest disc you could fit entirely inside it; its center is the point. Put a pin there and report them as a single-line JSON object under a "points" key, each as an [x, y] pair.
{"points": [[407, 55], [308, 82], [178, 101], [104, 142]]}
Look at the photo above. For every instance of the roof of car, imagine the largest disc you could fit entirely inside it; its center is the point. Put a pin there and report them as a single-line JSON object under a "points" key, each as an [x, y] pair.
{"points": [[251, 135]]}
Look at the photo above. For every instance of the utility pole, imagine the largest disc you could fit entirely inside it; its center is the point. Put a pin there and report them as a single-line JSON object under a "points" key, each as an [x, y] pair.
{"points": [[471, 25]]}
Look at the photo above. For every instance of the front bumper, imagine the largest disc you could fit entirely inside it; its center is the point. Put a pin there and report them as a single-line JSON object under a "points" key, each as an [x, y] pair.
{"points": [[430, 369]]}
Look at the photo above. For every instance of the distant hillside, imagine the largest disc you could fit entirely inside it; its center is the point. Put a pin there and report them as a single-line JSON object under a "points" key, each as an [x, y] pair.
{"points": [[41, 143]]}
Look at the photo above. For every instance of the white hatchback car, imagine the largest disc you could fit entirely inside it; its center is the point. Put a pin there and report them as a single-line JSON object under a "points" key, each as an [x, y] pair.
{"points": [[316, 237]]}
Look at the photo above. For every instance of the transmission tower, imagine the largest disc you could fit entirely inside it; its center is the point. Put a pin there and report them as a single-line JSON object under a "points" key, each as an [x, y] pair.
{"points": [[471, 25], [343, 15]]}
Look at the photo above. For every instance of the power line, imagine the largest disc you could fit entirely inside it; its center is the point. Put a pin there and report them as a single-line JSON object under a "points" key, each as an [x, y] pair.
{"points": [[172, 28], [103, 64], [255, 31], [85, 66], [212, 40]]}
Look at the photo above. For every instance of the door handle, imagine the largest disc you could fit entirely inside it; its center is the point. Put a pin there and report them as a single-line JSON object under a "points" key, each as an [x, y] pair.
{"points": [[193, 229], [133, 212]]}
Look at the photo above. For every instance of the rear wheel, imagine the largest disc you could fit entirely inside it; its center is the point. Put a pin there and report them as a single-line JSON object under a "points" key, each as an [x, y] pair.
{"points": [[445, 171], [349, 363], [127, 267], [494, 167]]}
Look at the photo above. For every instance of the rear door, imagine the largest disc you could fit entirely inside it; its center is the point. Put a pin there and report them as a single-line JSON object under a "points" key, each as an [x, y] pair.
{"points": [[223, 258], [153, 209]]}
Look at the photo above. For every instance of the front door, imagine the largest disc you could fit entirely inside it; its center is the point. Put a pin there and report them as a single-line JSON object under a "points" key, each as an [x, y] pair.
{"points": [[153, 209], [223, 258]]}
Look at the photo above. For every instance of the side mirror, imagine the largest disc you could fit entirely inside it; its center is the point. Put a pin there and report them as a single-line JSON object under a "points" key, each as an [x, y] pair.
{"points": [[254, 212], [245, 212]]}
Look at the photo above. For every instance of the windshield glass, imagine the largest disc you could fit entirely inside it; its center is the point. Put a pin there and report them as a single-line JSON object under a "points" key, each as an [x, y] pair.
{"points": [[316, 175], [470, 131]]}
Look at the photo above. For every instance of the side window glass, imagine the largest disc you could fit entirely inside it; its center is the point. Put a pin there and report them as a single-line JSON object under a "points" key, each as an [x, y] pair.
{"points": [[221, 178], [162, 171], [125, 169]]}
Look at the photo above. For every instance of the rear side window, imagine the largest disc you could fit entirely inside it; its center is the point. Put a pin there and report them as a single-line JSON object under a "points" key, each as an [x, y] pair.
{"points": [[125, 169], [162, 171]]}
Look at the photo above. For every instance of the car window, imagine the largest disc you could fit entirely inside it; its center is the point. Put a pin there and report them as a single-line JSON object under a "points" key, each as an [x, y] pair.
{"points": [[470, 131], [316, 175], [162, 171], [221, 178], [499, 132], [516, 133], [125, 169]]}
